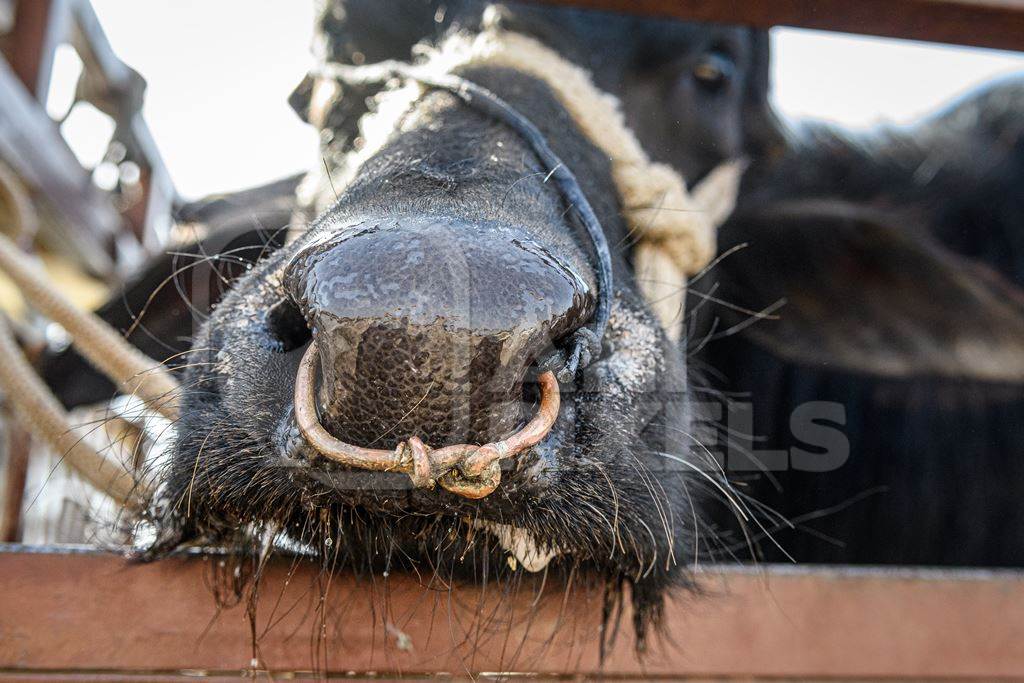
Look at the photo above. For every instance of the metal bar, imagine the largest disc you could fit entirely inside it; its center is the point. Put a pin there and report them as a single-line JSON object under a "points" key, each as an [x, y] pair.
{"points": [[93, 612], [31, 143], [124, 89], [95, 50], [981, 23], [160, 193], [49, 166]]}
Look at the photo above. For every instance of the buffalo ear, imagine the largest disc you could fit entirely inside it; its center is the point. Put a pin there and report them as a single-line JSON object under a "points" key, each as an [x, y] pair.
{"points": [[867, 294], [302, 96]]}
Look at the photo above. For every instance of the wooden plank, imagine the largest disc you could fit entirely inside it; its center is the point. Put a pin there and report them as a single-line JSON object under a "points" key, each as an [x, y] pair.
{"points": [[19, 445], [92, 613], [981, 23]]}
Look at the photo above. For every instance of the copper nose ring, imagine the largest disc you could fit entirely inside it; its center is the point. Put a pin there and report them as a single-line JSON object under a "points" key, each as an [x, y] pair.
{"points": [[468, 470]]}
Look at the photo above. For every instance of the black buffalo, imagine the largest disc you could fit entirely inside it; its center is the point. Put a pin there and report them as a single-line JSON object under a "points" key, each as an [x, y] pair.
{"points": [[899, 258], [455, 197]]}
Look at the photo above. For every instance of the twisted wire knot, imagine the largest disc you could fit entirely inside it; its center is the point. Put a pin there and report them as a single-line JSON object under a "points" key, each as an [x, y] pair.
{"points": [[467, 470]]}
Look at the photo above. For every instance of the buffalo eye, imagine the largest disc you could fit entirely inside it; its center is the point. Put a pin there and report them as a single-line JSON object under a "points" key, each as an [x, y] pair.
{"points": [[713, 72]]}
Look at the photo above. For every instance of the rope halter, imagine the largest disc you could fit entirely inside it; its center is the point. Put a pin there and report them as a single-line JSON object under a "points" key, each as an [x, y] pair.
{"points": [[675, 232]]}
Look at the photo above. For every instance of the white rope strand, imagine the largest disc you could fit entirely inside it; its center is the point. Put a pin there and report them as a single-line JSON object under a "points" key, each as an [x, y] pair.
{"points": [[42, 414], [129, 369], [35, 405]]}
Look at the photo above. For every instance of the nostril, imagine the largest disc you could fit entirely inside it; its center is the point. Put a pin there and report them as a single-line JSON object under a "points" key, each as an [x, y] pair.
{"points": [[530, 397], [287, 326]]}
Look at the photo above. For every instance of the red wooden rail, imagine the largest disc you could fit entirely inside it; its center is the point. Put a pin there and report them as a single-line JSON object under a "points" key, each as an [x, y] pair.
{"points": [[90, 614], [982, 23]]}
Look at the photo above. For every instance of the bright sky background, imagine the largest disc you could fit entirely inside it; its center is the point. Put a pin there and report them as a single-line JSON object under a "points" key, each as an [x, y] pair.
{"points": [[220, 71]]}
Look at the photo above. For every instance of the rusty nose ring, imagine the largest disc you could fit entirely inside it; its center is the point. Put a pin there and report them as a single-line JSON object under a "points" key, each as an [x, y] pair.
{"points": [[468, 470]]}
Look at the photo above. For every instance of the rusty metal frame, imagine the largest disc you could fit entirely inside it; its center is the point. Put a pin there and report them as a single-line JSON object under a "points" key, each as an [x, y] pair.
{"points": [[31, 143], [105, 240], [112, 242], [86, 613]]}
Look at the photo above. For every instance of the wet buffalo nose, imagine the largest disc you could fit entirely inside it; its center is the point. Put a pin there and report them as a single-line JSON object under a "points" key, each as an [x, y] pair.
{"points": [[428, 326]]}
